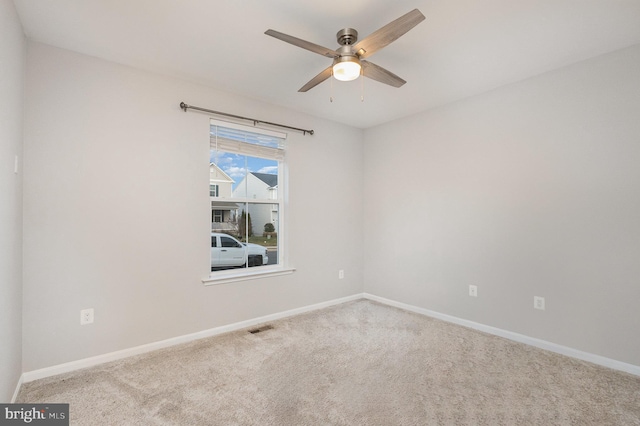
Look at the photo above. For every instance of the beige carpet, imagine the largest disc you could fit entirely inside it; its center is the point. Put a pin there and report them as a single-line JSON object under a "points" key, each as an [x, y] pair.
{"points": [[360, 363]]}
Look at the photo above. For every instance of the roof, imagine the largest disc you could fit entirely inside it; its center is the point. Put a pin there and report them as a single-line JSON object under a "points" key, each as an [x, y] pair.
{"points": [[221, 172], [271, 180]]}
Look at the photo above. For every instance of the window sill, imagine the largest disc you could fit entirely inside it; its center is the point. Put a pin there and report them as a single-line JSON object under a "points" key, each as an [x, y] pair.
{"points": [[235, 276]]}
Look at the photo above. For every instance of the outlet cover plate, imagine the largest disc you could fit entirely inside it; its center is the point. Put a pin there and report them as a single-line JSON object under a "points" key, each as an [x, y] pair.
{"points": [[86, 316], [538, 303], [473, 290]]}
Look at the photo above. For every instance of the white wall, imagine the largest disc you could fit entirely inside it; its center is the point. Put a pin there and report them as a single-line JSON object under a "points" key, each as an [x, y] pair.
{"points": [[117, 216], [531, 189], [12, 58]]}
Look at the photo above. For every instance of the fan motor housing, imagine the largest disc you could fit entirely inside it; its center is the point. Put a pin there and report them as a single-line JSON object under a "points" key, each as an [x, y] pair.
{"points": [[347, 37]]}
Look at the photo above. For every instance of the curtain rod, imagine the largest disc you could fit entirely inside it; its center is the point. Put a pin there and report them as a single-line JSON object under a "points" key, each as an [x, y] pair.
{"points": [[185, 107]]}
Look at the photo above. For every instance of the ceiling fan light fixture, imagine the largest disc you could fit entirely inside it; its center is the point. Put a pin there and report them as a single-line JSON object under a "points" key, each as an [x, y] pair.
{"points": [[346, 68], [350, 59]]}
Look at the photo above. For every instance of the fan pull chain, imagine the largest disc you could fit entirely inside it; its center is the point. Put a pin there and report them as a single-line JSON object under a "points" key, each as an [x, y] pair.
{"points": [[362, 87], [331, 87]]}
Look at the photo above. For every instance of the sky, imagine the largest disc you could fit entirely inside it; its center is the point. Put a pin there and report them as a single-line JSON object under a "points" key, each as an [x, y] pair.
{"points": [[237, 165]]}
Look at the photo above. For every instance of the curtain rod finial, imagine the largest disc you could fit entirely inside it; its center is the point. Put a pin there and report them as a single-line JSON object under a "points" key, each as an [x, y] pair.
{"points": [[184, 106]]}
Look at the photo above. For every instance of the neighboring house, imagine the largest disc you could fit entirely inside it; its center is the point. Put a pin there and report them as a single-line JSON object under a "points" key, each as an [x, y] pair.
{"points": [[260, 186], [223, 213]]}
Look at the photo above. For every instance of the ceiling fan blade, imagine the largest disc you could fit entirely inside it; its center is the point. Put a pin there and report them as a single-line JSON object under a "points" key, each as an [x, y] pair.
{"points": [[325, 74], [315, 48], [376, 72], [388, 34]]}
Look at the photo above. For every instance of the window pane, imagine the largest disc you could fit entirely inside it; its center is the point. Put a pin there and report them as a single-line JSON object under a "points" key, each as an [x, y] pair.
{"points": [[266, 220], [228, 242], [245, 204], [249, 177], [253, 179], [230, 254], [261, 249]]}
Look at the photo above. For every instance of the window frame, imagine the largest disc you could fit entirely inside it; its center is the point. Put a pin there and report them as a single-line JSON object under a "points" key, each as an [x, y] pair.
{"points": [[282, 267], [216, 213]]}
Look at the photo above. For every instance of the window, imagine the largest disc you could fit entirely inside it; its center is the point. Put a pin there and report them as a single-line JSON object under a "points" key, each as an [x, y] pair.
{"points": [[247, 214], [218, 216], [229, 242]]}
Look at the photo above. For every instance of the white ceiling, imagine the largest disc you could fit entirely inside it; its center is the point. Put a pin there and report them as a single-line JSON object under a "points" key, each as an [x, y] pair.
{"points": [[463, 48]]}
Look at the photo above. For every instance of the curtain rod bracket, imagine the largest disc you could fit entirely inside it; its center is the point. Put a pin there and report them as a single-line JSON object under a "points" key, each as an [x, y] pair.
{"points": [[185, 107]]}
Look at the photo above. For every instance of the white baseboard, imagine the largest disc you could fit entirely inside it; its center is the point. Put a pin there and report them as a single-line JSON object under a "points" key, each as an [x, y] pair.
{"points": [[542, 344], [18, 386], [113, 356]]}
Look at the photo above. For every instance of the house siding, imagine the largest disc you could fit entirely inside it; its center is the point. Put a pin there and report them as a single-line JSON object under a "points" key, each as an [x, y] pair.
{"points": [[254, 188]]}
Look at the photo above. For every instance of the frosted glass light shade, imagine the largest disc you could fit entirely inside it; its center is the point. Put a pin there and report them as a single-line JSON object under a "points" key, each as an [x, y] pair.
{"points": [[346, 71]]}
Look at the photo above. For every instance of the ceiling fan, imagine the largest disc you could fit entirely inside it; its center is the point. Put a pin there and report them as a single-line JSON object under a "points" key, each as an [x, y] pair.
{"points": [[349, 60]]}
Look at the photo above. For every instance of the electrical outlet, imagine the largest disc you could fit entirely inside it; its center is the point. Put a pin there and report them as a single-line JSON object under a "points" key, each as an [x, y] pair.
{"points": [[538, 302], [86, 316], [473, 290], [341, 274]]}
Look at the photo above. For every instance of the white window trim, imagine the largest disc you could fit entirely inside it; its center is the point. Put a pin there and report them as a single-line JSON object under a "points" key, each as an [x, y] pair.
{"points": [[232, 276], [282, 268]]}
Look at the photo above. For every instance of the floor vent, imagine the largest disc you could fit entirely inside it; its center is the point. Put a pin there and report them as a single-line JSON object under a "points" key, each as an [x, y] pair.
{"points": [[263, 328]]}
